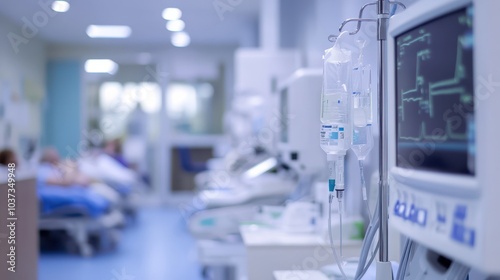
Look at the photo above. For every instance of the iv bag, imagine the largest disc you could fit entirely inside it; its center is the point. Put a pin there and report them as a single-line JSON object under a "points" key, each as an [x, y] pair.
{"points": [[336, 78], [336, 99]]}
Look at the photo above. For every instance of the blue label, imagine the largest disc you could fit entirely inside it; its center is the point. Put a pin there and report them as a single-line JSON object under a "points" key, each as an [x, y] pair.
{"points": [[334, 135], [331, 185]]}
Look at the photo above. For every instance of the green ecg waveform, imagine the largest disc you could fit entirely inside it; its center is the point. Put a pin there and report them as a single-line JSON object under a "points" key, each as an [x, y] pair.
{"points": [[425, 92]]}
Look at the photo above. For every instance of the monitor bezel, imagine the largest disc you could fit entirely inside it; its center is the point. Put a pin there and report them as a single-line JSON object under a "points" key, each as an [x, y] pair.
{"points": [[458, 185]]}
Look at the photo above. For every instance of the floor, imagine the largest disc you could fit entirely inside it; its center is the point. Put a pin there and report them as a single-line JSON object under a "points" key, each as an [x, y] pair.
{"points": [[157, 247]]}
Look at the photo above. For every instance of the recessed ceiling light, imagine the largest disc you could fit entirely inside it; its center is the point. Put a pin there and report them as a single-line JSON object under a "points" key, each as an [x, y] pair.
{"points": [[108, 31], [101, 66], [60, 6], [181, 39], [176, 25], [172, 13]]}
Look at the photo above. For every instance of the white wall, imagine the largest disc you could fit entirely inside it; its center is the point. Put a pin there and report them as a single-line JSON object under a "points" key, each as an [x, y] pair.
{"points": [[28, 62], [24, 73], [179, 63], [183, 63]]}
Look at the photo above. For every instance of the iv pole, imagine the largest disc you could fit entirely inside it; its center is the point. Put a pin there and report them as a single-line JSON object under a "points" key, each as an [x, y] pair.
{"points": [[384, 268]]}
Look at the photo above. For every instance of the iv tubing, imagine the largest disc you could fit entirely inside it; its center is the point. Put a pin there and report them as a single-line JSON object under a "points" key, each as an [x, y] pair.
{"points": [[365, 249], [335, 255], [363, 188], [372, 258], [339, 166], [341, 233]]}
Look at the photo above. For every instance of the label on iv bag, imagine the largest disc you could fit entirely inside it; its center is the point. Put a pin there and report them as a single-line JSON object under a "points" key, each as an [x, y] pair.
{"points": [[332, 135]]}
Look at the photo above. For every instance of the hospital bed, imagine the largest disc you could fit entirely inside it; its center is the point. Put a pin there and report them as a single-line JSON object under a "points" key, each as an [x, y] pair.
{"points": [[80, 214]]}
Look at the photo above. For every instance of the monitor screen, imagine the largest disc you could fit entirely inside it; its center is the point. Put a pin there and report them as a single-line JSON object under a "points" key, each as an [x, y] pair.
{"points": [[434, 93]]}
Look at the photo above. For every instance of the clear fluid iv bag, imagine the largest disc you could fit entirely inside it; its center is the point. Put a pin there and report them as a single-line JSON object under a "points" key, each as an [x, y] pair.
{"points": [[361, 90], [335, 99], [362, 105], [362, 141]]}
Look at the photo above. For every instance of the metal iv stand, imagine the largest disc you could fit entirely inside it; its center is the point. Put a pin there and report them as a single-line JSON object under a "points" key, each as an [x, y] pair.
{"points": [[384, 268]]}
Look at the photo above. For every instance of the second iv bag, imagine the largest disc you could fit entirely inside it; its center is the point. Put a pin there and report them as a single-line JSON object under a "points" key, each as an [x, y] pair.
{"points": [[335, 100], [362, 139], [361, 89]]}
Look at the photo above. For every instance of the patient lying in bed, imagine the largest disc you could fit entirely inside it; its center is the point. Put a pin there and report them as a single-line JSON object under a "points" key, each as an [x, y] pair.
{"points": [[62, 185]]}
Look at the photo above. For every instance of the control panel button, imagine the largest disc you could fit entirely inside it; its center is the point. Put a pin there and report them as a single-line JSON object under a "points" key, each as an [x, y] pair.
{"points": [[441, 218], [412, 215], [402, 210], [422, 217], [396, 208], [460, 212], [457, 233]]}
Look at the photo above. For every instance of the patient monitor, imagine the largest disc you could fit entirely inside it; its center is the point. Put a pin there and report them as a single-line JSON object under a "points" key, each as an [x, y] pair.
{"points": [[444, 97]]}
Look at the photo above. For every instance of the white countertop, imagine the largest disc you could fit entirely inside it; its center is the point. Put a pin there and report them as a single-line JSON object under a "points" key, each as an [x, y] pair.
{"points": [[299, 275], [254, 235]]}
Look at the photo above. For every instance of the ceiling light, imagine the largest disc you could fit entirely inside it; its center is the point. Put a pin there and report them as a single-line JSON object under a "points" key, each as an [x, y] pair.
{"points": [[175, 25], [108, 31], [181, 39], [172, 13], [101, 66], [60, 6]]}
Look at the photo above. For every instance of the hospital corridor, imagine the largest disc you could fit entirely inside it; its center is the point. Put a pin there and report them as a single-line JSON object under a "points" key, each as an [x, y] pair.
{"points": [[249, 140]]}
